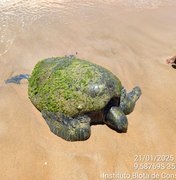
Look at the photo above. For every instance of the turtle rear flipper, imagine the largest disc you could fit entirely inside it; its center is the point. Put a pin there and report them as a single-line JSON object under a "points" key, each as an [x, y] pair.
{"points": [[68, 128], [17, 79]]}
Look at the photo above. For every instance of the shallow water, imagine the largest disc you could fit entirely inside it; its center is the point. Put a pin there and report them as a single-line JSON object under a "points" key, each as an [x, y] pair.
{"points": [[16, 15]]}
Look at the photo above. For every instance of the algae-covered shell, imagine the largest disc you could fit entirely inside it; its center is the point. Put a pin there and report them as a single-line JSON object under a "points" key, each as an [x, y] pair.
{"points": [[71, 86]]}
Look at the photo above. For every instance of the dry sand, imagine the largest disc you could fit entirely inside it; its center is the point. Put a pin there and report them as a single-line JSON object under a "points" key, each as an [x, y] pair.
{"points": [[131, 42]]}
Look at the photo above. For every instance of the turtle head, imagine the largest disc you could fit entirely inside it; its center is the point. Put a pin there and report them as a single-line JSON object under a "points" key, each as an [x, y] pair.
{"points": [[115, 117]]}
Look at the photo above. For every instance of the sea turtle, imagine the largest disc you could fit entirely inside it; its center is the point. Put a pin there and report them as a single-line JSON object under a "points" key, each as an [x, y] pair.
{"points": [[72, 94]]}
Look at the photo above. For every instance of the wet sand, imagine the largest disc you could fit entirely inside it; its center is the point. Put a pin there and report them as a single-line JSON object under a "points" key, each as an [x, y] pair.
{"points": [[131, 42]]}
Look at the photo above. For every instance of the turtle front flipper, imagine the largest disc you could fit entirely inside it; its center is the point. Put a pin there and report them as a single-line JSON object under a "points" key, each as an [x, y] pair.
{"points": [[68, 128], [128, 100], [116, 119]]}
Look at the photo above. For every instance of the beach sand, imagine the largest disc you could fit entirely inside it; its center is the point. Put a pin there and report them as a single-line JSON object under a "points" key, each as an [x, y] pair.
{"points": [[132, 42]]}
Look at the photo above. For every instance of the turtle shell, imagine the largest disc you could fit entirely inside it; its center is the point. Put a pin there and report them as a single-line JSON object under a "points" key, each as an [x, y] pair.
{"points": [[71, 86]]}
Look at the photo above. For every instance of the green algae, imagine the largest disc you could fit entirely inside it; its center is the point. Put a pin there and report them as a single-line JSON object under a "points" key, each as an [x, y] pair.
{"points": [[71, 86]]}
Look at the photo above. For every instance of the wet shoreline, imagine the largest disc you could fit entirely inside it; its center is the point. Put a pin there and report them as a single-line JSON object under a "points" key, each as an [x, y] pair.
{"points": [[132, 41]]}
